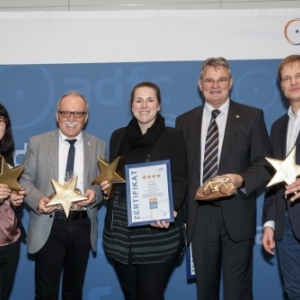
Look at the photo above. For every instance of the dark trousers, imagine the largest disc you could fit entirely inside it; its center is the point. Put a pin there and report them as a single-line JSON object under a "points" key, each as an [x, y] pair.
{"points": [[213, 251], [67, 249], [288, 249], [9, 256], [146, 281]]}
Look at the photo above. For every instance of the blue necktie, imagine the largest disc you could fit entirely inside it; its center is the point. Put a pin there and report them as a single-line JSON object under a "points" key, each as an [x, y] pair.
{"points": [[210, 162], [70, 160]]}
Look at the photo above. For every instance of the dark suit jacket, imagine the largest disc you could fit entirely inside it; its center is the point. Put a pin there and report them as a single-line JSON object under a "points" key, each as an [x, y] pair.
{"points": [[245, 145], [274, 206]]}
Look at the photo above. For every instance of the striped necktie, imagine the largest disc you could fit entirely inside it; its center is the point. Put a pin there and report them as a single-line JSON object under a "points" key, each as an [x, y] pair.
{"points": [[210, 163]]}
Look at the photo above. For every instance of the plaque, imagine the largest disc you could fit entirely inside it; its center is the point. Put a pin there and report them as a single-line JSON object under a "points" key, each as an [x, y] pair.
{"points": [[215, 188]]}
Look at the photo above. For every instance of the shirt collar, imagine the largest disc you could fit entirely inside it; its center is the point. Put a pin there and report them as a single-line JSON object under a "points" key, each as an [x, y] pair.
{"points": [[63, 137], [291, 114], [223, 108]]}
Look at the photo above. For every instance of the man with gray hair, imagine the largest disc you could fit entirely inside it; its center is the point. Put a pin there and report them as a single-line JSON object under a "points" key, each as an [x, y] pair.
{"points": [[228, 139], [60, 242]]}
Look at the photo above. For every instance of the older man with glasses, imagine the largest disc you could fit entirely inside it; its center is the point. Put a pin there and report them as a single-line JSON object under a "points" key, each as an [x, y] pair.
{"points": [[61, 242], [227, 139]]}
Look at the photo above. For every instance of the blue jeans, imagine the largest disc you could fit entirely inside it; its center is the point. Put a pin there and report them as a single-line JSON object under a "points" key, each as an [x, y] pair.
{"points": [[288, 250]]}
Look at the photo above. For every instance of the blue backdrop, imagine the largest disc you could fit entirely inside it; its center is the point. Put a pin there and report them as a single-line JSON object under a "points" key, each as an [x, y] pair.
{"points": [[30, 93]]}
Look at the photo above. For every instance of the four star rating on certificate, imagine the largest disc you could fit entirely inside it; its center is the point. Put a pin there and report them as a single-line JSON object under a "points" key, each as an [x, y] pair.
{"points": [[151, 176]]}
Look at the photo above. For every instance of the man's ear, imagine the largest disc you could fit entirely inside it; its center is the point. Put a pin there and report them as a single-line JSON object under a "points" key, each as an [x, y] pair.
{"points": [[200, 85]]}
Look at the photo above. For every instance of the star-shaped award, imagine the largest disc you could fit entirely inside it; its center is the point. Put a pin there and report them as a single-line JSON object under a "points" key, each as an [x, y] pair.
{"points": [[10, 176], [286, 170], [65, 195], [113, 173]]}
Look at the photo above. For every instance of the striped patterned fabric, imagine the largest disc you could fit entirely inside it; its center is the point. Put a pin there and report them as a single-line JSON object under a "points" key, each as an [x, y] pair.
{"points": [[145, 244], [210, 163]]}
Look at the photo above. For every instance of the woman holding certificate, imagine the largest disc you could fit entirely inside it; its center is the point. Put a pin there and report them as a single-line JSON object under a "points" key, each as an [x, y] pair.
{"points": [[10, 206], [144, 255]]}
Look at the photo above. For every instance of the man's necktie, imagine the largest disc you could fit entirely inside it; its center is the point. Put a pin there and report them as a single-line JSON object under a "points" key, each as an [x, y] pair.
{"points": [[210, 163], [70, 161]]}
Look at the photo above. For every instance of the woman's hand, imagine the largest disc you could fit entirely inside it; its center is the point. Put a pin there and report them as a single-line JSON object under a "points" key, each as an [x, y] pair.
{"points": [[17, 198], [4, 192], [105, 187], [160, 224], [163, 224]]}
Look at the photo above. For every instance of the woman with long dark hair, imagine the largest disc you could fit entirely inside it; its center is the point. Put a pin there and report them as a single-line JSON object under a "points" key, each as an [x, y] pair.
{"points": [[10, 207]]}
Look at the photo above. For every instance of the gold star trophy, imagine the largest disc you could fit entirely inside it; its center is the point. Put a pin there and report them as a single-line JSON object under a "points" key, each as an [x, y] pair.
{"points": [[286, 170], [113, 173], [10, 176], [65, 195]]}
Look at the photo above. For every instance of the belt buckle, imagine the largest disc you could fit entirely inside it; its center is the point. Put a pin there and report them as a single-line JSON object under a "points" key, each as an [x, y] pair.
{"points": [[60, 214], [76, 215], [73, 216]]}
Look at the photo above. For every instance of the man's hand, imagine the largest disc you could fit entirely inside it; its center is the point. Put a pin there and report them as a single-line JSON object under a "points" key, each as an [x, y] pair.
{"points": [[268, 240], [91, 195], [293, 188], [236, 179], [41, 208]]}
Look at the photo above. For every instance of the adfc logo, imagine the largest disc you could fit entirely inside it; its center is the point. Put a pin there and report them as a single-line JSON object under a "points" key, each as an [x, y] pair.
{"points": [[292, 31]]}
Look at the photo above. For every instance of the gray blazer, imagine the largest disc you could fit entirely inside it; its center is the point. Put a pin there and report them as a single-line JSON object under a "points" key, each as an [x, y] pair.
{"points": [[41, 165]]}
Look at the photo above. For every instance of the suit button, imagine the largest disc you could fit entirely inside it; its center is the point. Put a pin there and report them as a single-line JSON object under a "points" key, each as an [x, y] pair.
{"points": [[51, 216]]}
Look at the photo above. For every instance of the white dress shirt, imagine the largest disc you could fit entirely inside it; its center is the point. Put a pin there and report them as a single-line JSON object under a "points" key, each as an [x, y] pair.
{"points": [[64, 146]]}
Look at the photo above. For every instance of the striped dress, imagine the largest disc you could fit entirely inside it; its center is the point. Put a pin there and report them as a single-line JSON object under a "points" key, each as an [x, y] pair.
{"points": [[145, 244]]}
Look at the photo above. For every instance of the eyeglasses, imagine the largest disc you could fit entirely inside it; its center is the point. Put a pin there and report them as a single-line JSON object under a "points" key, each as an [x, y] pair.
{"points": [[220, 81], [287, 79], [76, 114], [2, 121]]}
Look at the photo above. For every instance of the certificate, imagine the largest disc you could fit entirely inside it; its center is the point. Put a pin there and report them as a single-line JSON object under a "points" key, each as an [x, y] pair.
{"points": [[149, 192]]}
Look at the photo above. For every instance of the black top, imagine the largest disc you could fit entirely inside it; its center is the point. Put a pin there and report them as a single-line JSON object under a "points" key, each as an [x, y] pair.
{"points": [[146, 244]]}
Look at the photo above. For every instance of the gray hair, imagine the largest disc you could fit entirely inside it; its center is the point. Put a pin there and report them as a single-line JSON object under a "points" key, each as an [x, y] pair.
{"points": [[73, 93], [215, 62]]}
